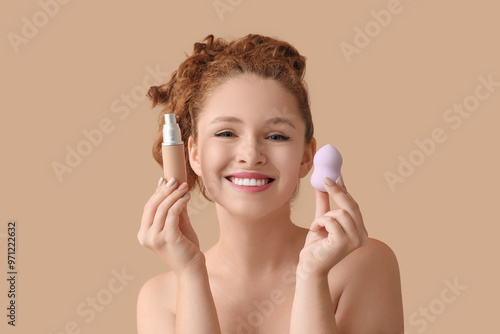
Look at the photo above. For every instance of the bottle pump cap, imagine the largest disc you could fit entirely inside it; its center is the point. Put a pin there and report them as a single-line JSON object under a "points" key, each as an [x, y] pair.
{"points": [[171, 131]]}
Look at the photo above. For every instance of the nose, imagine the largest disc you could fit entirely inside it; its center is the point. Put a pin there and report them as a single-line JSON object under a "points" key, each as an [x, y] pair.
{"points": [[250, 154]]}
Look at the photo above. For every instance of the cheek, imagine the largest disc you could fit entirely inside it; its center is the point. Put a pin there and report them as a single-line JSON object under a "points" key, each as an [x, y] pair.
{"points": [[288, 162], [212, 163], [291, 154], [211, 157]]}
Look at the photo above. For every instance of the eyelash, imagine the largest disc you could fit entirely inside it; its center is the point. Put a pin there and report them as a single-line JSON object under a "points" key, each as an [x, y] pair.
{"points": [[221, 134]]}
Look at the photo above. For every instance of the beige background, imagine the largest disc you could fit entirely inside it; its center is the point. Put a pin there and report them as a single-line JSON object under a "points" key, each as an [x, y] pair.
{"points": [[71, 74]]}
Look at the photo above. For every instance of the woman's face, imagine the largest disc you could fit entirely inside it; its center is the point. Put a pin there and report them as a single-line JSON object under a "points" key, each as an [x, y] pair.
{"points": [[250, 150]]}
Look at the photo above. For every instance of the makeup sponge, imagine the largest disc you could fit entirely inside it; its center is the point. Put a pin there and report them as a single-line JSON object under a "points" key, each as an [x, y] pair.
{"points": [[327, 163]]}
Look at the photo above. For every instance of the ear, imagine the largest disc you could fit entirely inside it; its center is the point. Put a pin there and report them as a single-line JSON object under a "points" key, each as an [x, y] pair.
{"points": [[194, 161], [307, 158]]}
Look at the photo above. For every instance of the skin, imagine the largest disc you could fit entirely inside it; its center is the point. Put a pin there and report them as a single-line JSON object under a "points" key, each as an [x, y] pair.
{"points": [[265, 274]]}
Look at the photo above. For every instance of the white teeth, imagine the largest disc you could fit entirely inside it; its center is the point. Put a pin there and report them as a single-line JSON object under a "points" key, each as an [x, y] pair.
{"points": [[249, 182]]}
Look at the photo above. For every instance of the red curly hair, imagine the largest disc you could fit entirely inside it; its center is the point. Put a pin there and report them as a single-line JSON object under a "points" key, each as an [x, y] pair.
{"points": [[216, 61]]}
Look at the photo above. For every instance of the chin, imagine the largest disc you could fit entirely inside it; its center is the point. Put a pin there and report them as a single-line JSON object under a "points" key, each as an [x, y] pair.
{"points": [[246, 208]]}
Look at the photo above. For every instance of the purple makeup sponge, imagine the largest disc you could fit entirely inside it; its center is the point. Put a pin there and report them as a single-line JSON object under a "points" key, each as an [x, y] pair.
{"points": [[327, 163]]}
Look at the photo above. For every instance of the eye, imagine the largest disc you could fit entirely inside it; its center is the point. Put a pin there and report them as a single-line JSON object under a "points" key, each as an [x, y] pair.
{"points": [[224, 134], [279, 137]]}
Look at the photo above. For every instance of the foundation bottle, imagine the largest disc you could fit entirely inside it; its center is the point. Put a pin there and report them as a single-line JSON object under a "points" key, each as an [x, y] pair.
{"points": [[172, 148]]}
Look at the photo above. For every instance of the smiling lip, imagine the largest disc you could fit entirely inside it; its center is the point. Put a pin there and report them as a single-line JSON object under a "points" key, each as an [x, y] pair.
{"points": [[248, 188], [245, 175]]}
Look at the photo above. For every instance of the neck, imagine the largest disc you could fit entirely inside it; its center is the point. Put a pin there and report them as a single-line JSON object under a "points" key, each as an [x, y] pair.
{"points": [[258, 247]]}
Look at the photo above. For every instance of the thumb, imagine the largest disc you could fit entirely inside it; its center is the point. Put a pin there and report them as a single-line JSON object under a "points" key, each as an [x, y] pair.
{"points": [[187, 228], [322, 203]]}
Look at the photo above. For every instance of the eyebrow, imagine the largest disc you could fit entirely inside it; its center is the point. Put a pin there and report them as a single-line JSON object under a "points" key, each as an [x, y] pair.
{"points": [[231, 119]]}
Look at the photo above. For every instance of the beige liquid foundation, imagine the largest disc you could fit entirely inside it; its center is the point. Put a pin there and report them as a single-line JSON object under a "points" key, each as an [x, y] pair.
{"points": [[172, 149]]}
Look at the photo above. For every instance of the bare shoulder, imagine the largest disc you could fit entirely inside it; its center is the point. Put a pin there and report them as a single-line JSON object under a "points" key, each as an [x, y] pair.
{"points": [[373, 254], [156, 304], [375, 257], [371, 289]]}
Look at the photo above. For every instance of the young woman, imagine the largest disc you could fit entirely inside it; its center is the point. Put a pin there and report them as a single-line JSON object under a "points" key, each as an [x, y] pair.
{"points": [[244, 114]]}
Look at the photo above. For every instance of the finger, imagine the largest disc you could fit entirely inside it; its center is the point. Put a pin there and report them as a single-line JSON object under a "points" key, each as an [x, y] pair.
{"points": [[184, 222], [332, 227], [161, 182], [186, 226], [315, 226], [344, 201], [358, 216], [343, 218], [172, 220], [162, 191], [163, 209], [154, 201], [322, 203], [184, 214], [340, 183]]}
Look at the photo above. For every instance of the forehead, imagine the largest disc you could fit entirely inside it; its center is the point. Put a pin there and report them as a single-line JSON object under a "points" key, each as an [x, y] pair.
{"points": [[250, 97]]}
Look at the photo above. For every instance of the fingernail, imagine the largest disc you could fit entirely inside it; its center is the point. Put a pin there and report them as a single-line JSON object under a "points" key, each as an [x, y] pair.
{"points": [[186, 195], [340, 182], [328, 181], [171, 182], [161, 182]]}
